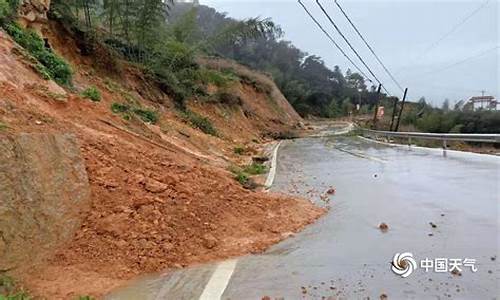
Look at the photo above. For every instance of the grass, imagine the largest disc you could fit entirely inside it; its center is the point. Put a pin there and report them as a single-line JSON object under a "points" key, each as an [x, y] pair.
{"points": [[244, 176], [127, 111], [217, 78], [51, 65], [92, 93], [200, 122], [239, 150], [8, 290], [3, 126], [255, 169]]}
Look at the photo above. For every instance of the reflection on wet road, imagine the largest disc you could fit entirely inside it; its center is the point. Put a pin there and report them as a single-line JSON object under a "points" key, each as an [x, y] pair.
{"points": [[345, 255]]}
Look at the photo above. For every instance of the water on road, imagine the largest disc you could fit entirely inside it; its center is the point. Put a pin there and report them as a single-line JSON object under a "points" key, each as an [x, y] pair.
{"points": [[344, 255]]}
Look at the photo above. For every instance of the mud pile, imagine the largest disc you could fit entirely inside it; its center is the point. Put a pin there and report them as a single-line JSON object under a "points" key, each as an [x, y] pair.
{"points": [[160, 195]]}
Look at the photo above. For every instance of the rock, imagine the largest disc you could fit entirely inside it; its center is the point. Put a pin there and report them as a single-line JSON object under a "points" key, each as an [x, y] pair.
{"points": [[44, 189], [33, 14], [260, 159], [331, 191], [383, 297], [433, 225], [209, 241], [266, 298], [383, 227], [456, 272], [154, 186]]}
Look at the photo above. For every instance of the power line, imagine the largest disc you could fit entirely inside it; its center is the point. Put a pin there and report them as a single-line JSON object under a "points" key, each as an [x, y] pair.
{"points": [[461, 62], [452, 30], [350, 45], [369, 47], [333, 41]]}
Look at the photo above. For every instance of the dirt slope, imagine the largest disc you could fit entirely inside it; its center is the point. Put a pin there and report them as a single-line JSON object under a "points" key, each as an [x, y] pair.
{"points": [[161, 196]]}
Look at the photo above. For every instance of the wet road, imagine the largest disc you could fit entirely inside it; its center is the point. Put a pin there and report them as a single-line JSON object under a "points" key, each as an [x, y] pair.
{"points": [[345, 255]]}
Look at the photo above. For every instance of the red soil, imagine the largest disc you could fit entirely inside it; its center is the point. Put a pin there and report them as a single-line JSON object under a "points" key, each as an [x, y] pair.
{"points": [[160, 199]]}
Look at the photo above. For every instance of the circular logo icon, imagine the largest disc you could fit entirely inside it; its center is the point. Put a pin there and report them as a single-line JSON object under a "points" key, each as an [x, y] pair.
{"points": [[403, 264]]}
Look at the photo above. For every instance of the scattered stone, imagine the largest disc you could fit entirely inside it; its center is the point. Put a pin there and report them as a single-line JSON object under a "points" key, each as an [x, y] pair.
{"points": [[260, 159], [331, 191], [154, 186], [209, 241], [493, 258], [383, 227], [383, 297], [442, 215], [433, 225], [304, 290], [456, 272], [490, 272], [431, 234], [266, 298]]}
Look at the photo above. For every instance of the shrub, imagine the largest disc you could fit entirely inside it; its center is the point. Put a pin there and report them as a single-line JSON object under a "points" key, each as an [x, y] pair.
{"points": [[146, 115], [53, 65], [4, 10], [118, 108], [226, 98], [242, 178], [9, 291], [200, 122], [239, 150], [92, 93], [255, 169], [3, 126], [217, 78]]}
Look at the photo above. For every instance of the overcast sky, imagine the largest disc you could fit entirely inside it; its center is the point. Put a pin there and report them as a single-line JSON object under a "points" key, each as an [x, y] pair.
{"points": [[400, 31]]}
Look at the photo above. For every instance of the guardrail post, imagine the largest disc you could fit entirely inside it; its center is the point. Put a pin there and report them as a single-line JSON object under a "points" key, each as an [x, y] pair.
{"points": [[445, 146], [409, 142]]}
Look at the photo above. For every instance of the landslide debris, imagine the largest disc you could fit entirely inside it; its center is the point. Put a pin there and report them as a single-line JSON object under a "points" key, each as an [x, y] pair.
{"points": [[160, 194]]}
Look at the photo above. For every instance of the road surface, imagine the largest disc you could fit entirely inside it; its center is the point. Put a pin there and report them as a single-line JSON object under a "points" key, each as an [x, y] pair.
{"points": [[345, 255]]}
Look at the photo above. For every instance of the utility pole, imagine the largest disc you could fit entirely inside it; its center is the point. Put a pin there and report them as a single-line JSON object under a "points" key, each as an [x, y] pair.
{"points": [[375, 114], [395, 107], [401, 111]]}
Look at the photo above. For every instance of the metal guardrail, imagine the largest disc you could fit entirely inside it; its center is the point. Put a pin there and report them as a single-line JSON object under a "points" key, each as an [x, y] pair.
{"points": [[480, 138]]}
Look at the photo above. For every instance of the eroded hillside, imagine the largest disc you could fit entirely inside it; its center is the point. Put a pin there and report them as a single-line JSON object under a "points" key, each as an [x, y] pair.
{"points": [[161, 195]]}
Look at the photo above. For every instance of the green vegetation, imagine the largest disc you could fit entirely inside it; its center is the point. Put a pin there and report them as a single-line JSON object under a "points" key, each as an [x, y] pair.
{"points": [[9, 291], [242, 178], [92, 93], [8, 10], [255, 169], [51, 65], [217, 78], [128, 111], [85, 298], [143, 33], [239, 150], [199, 122], [308, 84], [3, 126], [426, 118]]}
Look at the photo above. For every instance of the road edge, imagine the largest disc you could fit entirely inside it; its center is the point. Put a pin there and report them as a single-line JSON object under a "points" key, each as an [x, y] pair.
{"points": [[272, 171]]}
